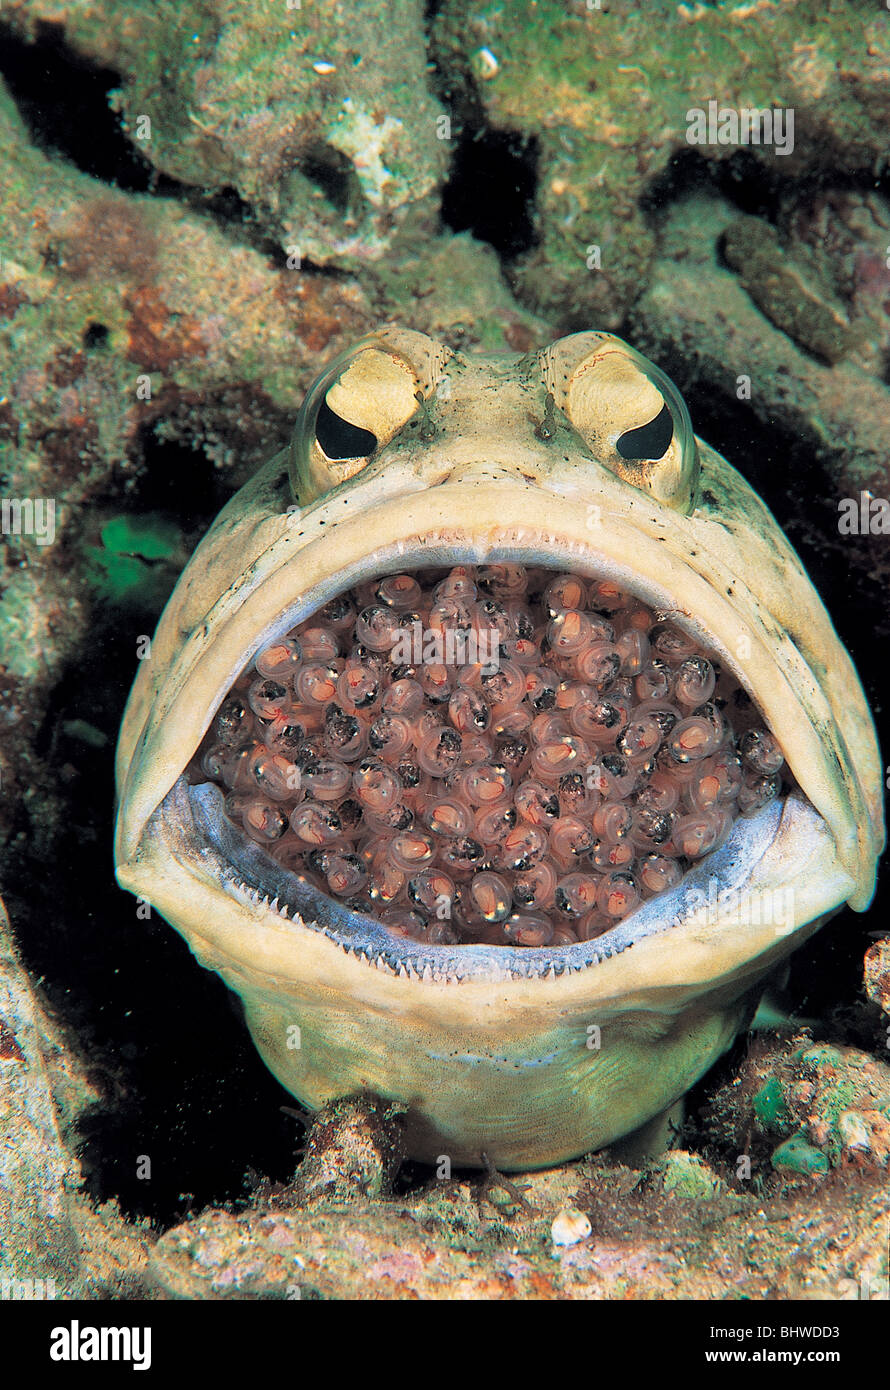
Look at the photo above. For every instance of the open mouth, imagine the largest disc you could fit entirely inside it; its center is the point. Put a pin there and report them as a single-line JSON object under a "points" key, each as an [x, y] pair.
{"points": [[495, 755]]}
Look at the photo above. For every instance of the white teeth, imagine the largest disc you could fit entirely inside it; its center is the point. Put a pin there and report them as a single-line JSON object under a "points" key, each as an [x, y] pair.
{"points": [[403, 973], [283, 910], [273, 906], [427, 974]]}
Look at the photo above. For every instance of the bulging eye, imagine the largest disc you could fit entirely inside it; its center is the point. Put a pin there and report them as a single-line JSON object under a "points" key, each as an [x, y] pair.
{"points": [[358, 404], [628, 413]]}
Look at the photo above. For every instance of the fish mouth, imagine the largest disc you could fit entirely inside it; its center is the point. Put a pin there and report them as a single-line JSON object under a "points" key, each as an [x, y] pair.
{"points": [[193, 821], [195, 825]]}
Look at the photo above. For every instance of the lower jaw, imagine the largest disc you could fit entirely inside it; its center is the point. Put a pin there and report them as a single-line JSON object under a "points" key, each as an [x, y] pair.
{"points": [[531, 1057]]}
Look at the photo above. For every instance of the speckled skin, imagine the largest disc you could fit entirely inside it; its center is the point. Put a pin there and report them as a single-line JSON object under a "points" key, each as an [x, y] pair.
{"points": [[488, 1057]]}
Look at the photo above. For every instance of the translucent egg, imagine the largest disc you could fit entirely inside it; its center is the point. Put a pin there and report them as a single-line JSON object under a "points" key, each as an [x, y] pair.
{"points": [[267, 698], [326, 781], [439, 751], [568, 633], [489, 894], [522, 846], [672, 644], [390, 736], [598, 664], [655, 681], [552, 760], [234, 722], [541, 686], [761, 752], [641, 738], [437, 681], [377, 627], [447, 816], [400, 592], [317, 684], [433, 891], [537, 803], [315, 824], [319, 644], [280, 660], [274, 774], [339, 614], [345, 736], [504, 581], [376, 785], [607, 596], [606, 855], [700, 833], [404, 697], [695, 681], [492, 824], [264, 821], [617, 894], [692, 740], [504, 687], [657, 873], [528, 929], [345, 875], [633, 648], [534, 887], [565, 592], [576, 894], [758, 792], [570, 838], [468, 711], [359, 687], [461, 854]]}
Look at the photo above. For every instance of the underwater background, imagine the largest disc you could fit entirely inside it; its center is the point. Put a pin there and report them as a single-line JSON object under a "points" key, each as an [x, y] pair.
{"points": [[201, 203]]}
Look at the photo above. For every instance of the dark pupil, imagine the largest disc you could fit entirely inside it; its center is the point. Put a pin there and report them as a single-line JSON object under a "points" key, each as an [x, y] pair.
{"points": [[339, 439], [649, 441]]}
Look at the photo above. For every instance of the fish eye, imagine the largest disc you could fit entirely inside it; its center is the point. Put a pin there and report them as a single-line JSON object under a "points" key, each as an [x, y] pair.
{"points": [[628, 412], [358, 404]]}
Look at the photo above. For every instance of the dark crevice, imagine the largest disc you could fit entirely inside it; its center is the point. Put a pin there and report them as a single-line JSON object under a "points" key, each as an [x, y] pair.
{"points": [[749, 182], [177, 481], [94, 336], [333, 175], [491, 190], [63, 100]]}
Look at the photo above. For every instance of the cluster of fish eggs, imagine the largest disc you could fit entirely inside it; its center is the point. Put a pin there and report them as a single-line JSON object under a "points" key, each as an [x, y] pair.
{"points": [[533, 796]]}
